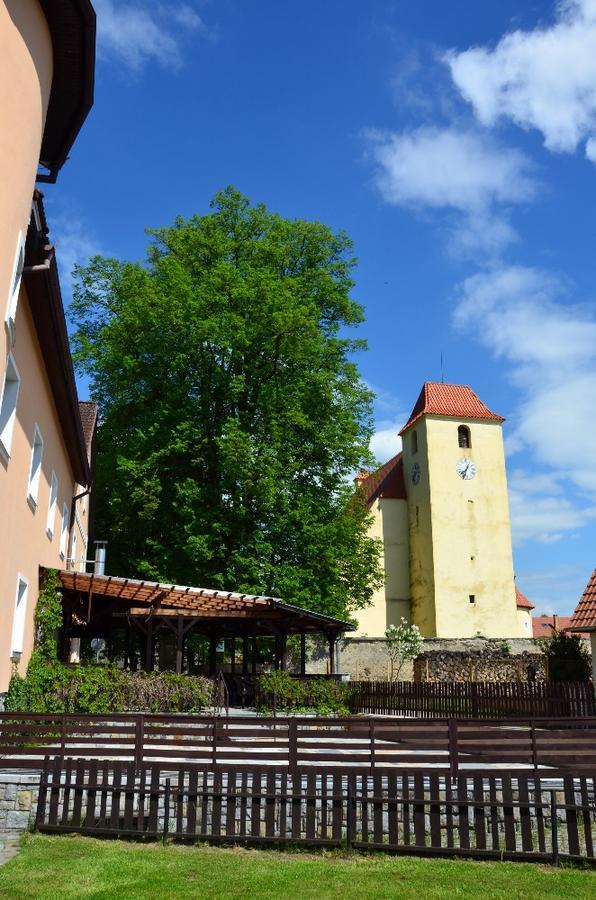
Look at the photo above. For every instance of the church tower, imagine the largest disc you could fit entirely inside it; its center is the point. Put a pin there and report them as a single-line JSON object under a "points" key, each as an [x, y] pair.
{"points": [[460, 557]]}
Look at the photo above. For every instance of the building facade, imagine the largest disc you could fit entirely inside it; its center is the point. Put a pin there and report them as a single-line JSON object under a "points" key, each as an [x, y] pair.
{"points": [[440, 509], [46, 88]]}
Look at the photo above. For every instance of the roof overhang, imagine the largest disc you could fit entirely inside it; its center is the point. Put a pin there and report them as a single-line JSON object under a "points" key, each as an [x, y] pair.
{"points": [[136, 598], [72, 27]]}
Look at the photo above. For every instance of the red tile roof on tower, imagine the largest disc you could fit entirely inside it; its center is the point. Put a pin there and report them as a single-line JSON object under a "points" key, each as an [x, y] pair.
{"points": [[584, 617], [456, 400], [521, 601], [387, 482]]}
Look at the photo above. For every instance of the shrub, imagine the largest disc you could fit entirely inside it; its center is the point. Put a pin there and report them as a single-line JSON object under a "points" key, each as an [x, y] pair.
{"points": [[403, 643], [568, 659], [279, 691], [56, 688]]}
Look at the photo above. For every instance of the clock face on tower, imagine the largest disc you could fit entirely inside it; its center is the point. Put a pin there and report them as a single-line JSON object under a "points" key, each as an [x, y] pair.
{"points": [[465, 468], [416, 473]]}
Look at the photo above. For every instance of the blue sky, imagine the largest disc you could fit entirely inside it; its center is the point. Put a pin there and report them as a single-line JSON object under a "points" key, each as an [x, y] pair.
{"points": [[454, 142]]}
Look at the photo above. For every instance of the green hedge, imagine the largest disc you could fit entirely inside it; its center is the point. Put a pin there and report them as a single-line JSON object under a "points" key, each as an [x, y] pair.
{"points": [[55, 688], [279, 691]]}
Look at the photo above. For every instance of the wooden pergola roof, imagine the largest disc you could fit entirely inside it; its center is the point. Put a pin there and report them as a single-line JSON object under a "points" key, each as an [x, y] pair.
{"points": [[150, 598]]}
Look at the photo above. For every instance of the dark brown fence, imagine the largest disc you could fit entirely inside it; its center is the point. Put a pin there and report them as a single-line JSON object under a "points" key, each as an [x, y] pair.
{"points": [[347, 744], [482, 813], [474, 700]]}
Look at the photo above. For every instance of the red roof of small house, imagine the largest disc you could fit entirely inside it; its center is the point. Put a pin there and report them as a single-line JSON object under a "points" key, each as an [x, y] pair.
{"points": [[456, 400], [387, 482], [584, 617], [521, 601], [543, 626]]}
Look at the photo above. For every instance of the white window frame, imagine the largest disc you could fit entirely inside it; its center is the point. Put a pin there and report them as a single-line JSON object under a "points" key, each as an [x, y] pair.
{"points": [[35, 470], [15, 287], [20, 615], [8, 406], [52, 506], [64, 531], [73, 553]]}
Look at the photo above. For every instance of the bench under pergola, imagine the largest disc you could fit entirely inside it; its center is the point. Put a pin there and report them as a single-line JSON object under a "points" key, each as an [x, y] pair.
{"points": [[94, 605]]}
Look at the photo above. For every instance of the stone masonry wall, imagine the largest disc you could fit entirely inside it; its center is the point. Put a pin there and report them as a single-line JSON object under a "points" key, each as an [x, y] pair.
{"points": [[366, 659], [443, 666], [18, 800]]}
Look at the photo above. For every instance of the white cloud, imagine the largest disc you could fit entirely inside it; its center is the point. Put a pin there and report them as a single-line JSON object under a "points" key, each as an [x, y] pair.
{"points": [[386, 442], [543, 79], [522, 316], [75, 245], [464, 171], [138, 33], [542, 513]]}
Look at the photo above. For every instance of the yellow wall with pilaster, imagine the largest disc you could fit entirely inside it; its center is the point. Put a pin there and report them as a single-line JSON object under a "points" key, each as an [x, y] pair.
{"points": [[391, 601], [460, 532]]}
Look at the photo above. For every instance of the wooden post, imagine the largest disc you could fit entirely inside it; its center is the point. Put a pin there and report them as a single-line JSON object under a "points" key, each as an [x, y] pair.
{"points": [[149, 648], [245, 654], [282, 655], [212, 656], [179, 645], [303, 654], [331, 654], [254, 656]]}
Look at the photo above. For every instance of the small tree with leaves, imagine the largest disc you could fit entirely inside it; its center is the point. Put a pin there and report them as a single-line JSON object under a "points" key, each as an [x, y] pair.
{"points": [[567, 658], [404, 643]]}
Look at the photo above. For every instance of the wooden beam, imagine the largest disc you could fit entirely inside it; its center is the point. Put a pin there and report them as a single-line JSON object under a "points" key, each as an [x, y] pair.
{"points": [[179, 645]]}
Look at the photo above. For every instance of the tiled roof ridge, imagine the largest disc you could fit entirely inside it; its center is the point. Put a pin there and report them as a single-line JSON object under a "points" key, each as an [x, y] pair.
{"points": [[521, 600], [455, 400], [584, 617], [387, 481]]}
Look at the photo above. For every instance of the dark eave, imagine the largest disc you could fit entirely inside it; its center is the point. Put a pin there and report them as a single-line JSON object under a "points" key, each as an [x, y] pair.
{"points": [[40, 278], [72, 27]]}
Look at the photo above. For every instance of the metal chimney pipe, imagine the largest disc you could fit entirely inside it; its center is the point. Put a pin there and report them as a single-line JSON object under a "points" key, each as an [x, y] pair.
{"points": [[99, 567]]}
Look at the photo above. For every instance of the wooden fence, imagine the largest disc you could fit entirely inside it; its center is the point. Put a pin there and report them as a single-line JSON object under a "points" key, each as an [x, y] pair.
{"points": [[494, 814], [347, 744], [474, 700]]}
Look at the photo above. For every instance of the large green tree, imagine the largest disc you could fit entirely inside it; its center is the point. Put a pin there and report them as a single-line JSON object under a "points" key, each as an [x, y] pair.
{"points": [[232, 413]]}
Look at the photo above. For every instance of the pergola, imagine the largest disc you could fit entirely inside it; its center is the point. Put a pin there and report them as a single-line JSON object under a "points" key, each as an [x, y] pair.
{"points": [[94, 605]]}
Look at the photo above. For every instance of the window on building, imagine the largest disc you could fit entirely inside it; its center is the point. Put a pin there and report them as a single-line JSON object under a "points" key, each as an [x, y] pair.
{"points": [[64, 531], [8, 406], [18, 622], [73, 553], [35, 471], [472, 598], [414, 441], [463, 436], [15, 286], [53, 505]]}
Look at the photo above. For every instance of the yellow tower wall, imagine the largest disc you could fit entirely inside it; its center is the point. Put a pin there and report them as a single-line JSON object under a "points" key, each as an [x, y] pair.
{"points": [[391, 601], [420, 528], [471, 531]]}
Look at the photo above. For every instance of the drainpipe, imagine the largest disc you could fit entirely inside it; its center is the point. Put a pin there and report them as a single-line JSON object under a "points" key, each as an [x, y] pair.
{"points": [[73, 511]]}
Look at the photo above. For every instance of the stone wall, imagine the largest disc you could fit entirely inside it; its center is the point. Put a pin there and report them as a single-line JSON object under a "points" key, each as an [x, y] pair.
{"points": [[18, 800], [363, 659], [366, 659], [443, 666]]}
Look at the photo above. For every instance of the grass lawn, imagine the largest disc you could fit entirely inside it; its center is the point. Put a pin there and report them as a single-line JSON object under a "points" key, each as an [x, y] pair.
{"points": [[61, 868]]}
